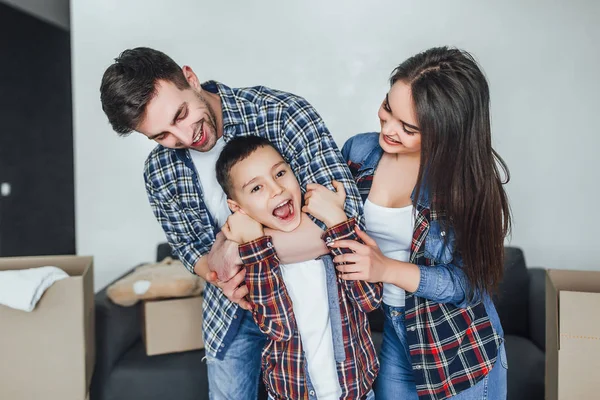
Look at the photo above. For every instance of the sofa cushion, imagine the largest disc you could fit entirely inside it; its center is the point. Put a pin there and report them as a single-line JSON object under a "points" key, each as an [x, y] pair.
{"points": [[526, 366], [512, 299], [181, 376]]}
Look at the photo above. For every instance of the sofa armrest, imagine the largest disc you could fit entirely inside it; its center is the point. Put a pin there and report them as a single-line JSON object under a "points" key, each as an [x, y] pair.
{"points": [[537, 307], [117, 329], [163, 250]]}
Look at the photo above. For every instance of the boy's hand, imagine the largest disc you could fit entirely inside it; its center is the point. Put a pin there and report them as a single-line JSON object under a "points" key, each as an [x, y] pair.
{"points": [[241, 228], [324, 204]]}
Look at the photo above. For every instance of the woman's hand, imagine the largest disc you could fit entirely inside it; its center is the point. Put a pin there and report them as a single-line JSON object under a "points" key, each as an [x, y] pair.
{"points": [[324, 204], [367, 263]]}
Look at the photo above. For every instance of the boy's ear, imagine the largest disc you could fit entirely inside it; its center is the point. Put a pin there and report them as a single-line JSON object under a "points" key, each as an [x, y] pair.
{"points": [[234, 207]]}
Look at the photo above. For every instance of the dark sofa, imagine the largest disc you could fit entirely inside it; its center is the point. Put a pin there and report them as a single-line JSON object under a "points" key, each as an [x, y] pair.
{"points": [[124, 371]]}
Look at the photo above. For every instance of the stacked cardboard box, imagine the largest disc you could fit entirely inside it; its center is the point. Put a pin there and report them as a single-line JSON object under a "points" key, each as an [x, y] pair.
{"points": [[49, 353]]}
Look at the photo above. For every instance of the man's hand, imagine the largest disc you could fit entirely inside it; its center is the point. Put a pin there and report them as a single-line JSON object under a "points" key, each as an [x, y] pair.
{"points": [[324, 204], [241, 228], [234, 289], [224, 258], [226, 271]]}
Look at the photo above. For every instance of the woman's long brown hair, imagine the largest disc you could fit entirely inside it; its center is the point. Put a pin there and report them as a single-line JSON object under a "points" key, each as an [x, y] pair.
{"points": [[458, 163]]}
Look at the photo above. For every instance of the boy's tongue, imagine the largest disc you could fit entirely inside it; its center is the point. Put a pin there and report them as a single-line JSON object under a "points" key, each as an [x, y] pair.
{"points": [[283, 212]]}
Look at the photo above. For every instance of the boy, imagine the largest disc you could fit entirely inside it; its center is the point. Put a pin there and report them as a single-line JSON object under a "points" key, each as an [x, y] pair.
{"points": [[314, 350]]}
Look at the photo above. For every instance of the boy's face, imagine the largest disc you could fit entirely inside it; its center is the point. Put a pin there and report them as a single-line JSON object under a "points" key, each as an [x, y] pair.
{"points": [[265, 188]]}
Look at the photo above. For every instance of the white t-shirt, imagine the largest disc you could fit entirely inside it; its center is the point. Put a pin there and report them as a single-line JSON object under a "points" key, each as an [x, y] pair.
{"points": [[214, 197], [306, 284], [392, 230]]}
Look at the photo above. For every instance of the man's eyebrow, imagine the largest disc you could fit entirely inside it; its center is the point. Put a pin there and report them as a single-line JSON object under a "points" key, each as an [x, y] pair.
{"points": [[173, 122], [406, 124], [178, 113]]}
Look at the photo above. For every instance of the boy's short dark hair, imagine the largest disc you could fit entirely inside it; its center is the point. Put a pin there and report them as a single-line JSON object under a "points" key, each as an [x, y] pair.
{"points": [[129, 84], [236, 150]]}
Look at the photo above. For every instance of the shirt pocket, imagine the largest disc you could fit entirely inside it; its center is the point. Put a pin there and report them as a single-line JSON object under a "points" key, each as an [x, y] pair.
{"points": [[440, 243]]}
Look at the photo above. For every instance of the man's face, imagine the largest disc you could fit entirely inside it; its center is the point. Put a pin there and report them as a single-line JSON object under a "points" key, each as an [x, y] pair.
{"points": [[265, 188], [180, 118]]}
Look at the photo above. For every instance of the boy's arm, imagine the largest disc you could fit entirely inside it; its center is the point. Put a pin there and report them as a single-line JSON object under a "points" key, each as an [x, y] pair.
{"points": [[365, 295], [270, 301]]}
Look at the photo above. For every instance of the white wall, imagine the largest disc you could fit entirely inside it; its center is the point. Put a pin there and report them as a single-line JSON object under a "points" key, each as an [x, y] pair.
{"points": [[541, 60], [54, 11]]}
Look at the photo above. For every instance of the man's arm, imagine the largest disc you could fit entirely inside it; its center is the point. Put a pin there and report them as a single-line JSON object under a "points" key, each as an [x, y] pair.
{"points": [[302, 244], [315, 158], [199, 253]]}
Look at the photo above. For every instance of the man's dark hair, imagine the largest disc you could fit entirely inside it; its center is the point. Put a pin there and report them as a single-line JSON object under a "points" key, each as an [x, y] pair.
{"points": [[236, 150], [129, 84]]}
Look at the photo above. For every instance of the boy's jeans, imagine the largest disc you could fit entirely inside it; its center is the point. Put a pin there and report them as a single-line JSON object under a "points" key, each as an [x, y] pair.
{"points": [[395, 380], [237, 375]]}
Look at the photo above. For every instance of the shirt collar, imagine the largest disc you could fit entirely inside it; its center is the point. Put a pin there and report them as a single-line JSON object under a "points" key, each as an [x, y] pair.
{"points": [[230, 105]]}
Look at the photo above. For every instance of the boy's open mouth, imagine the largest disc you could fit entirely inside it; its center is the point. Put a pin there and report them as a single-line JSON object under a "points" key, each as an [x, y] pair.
{"points": [[285, 210]]}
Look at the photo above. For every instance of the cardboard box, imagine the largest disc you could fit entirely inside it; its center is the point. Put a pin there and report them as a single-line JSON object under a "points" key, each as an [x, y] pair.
{"points": [[572, 334], [173, 325], [49, 353]]}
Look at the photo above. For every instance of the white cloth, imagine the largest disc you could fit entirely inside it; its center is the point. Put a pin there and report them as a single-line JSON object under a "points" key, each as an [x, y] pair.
{"points": [[214, 197], [22, 289], [392, 230], [306, 284]]}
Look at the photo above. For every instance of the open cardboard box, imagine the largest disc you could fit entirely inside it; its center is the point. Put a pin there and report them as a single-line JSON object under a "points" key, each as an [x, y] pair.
{"points": [[49, 353], [172, 325], [572, 334]]}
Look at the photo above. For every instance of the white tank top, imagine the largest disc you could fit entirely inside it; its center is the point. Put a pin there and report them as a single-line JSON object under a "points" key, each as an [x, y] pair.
{"points": [[392, 230]]}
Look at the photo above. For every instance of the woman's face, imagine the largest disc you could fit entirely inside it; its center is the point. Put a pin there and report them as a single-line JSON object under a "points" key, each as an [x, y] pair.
{"points": [[399, 130]]}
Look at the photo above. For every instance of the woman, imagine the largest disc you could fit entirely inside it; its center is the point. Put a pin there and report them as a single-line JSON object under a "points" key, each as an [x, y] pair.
{"points": [[436, 217]]}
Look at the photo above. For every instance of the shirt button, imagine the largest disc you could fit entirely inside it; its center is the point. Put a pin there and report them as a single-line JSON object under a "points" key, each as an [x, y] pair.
{"points": [[235, 316], [269, 245], [312, 392], [418, 367], [222, 344], [443, 233], [328, 239], [412, 329]]}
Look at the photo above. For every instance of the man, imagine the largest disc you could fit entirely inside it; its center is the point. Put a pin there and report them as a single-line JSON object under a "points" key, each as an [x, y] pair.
{"points": [[146, 91]]}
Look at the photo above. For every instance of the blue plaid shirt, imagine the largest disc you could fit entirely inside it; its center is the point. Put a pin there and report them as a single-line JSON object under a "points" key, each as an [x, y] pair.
{"points": [[175, 192]]}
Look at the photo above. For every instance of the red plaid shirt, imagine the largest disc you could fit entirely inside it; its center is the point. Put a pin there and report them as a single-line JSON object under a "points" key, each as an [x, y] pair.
{"points": [[283, 357]]}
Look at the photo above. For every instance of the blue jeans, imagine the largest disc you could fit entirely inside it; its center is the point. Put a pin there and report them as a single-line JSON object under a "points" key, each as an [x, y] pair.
{"points": [[237, 375], [396, 381]]}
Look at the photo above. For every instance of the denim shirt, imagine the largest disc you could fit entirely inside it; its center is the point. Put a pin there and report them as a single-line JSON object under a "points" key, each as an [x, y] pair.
{"points": [[453, 340]]}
